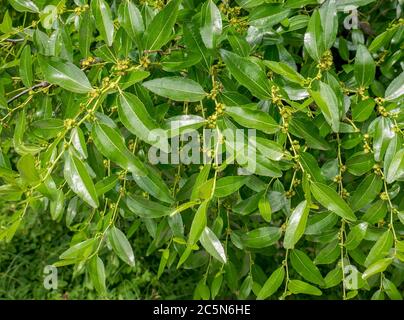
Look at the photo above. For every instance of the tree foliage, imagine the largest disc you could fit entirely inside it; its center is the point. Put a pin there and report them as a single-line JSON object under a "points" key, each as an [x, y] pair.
{"points": [[85, 84]]}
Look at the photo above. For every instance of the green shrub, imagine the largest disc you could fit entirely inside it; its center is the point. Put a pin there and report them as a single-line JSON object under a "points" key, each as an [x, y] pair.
{"points": [[90, 90]]}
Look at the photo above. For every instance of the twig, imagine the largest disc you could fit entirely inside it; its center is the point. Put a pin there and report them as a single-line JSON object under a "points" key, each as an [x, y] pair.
{"points": [[39, 85], [14, 40]]}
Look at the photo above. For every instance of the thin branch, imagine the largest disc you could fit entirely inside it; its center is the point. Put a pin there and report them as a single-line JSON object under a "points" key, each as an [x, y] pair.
{"points": [[14, 40], [39, 85]]}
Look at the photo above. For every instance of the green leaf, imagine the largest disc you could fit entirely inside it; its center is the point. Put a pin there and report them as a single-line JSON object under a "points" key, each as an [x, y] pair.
{"points": [[146, 208], [329, 22], [382, 136], [26, 67], [247, 73], [24, 6], [152, 183], [112, 146], [377, 267], [57, 206], [103, 20], [211, 24], [158, 32], [362, 110], [177, 125], [360, 163], [395, 90], [366, 192], [198, 223], [326, 100], [380, 249], [297, 287], [285, 70], [78, 142], [176, 88], [26, 168], [131, 20], [264, 207], [303, 128], [121, 245], [253, 119], [310, 166], [272, 284], [212, 245], [376, 212], [270, 149], [364, 67], [228, 185], [79, 180], [80, 250], [328, 198], [305, 267], [296, 225], [313, 38], [261, 237], [333, 278], [356, 235], [328, 254], [391, 290], [64, 74], [395, 170], [97, 274], [137, 120], [85, 34]]}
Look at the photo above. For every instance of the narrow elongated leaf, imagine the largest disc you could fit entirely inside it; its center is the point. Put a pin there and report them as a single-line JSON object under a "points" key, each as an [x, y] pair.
{"points": [[111, 145], [146, 208], [253, 119], [26, 67], [137, 120], [380, 249], [85, 34], [285, 70], [159, 31], [176, 88], [356, 235], [297, 286], [24, 6], [396, 167], [103, 20], [121, 245], [366, 192], [365, 67], [331, 200], [64, 74], [313, 38], [310, 166], [261, 237], [395, 90], [79, 180], [305, 267], [97, 274], [198, 223], [212, 245], [327, 101], [247, 73], [264, 207], [377, 267], [296, 225], [329, 23], [227, 185], [211, 26], [272, 284], [131, 20]]}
